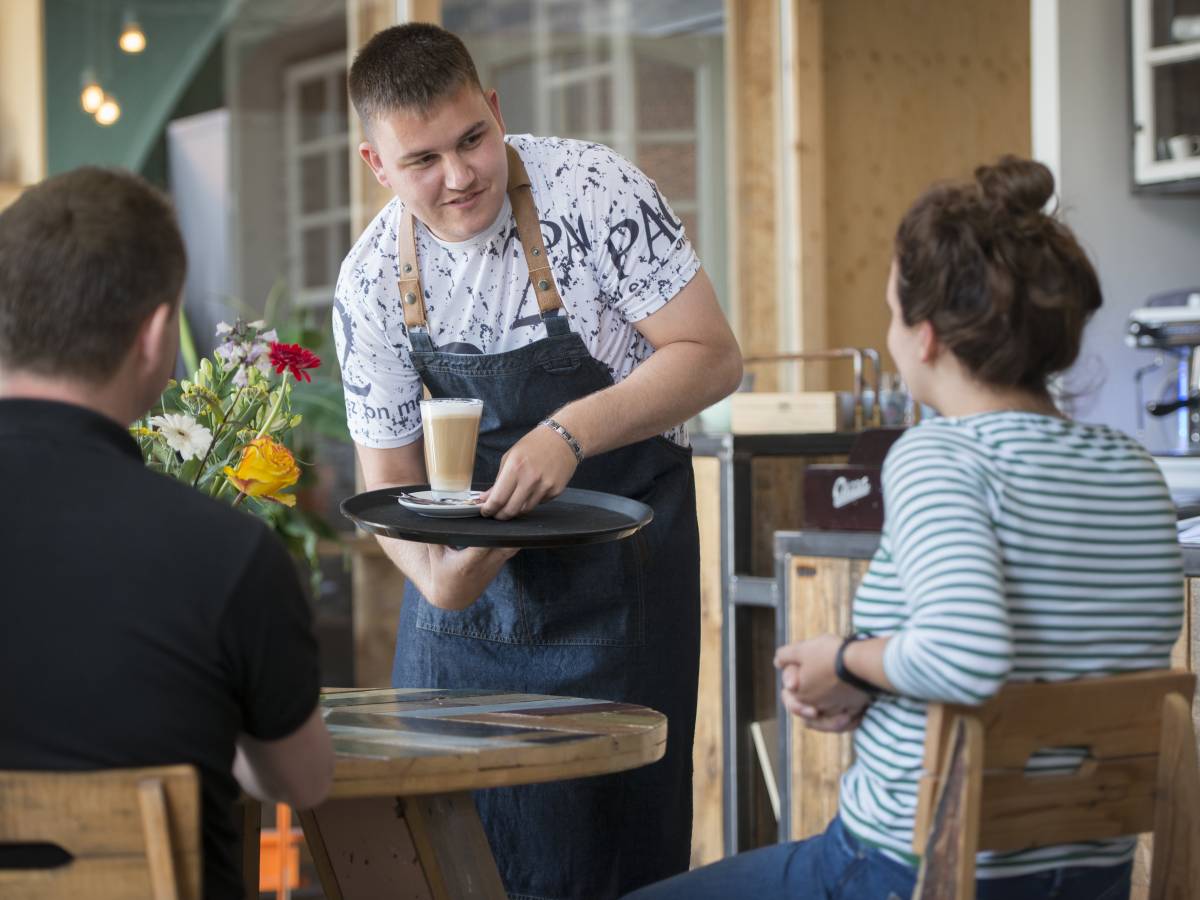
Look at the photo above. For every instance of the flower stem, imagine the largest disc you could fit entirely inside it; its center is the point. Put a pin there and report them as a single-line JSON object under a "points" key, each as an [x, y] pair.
{"points": [[274, 409], [216, 436]]}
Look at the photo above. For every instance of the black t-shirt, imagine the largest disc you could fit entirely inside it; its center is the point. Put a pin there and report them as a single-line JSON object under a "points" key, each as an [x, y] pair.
{"points": [[142, 622]]}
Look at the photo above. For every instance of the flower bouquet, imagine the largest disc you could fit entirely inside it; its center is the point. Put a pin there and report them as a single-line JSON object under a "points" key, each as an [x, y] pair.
{"points": [[226, 430]]}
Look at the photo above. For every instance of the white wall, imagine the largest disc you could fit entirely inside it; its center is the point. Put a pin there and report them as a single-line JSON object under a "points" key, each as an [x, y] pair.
{"points": [[198, 172], [1141, 244]]}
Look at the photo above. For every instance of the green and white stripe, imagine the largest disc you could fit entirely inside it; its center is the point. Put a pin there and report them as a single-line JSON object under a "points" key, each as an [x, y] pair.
{"points": [[1016, 547]]}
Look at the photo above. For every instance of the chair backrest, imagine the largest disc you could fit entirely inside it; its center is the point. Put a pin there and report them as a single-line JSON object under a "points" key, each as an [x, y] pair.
{"points": [[131, 832], [1140, 773]]}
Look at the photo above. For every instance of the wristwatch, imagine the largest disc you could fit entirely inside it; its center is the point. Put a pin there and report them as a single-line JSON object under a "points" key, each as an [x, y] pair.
{"points": [[845, 675]]}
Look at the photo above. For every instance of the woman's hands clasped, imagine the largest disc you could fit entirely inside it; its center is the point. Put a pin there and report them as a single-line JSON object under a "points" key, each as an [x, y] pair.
{"points": [[811, 688]]}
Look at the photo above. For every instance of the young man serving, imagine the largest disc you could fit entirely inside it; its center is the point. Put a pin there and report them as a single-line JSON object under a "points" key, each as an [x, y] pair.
{"points": [[550, 279]]}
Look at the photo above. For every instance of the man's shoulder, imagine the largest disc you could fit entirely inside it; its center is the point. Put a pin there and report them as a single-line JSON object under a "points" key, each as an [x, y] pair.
{"points": [[376, 244], [557, 159], [212, 521]]}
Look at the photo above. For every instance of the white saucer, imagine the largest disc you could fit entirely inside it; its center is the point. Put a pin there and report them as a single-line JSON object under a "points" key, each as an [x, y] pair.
{"points": [[426, 504]]}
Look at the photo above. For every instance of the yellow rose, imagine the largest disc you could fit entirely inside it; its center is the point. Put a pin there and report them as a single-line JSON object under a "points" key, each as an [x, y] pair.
{"points": [[266, 468]]}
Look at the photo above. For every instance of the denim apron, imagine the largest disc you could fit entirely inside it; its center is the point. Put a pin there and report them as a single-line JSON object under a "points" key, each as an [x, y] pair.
{"points": [[616, 621]]}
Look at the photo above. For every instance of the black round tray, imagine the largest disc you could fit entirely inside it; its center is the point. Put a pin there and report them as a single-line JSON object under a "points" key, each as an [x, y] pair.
{"points": [[572, 518]]}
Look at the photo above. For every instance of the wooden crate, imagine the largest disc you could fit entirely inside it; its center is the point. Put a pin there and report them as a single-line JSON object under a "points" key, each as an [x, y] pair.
{"points": [[791, 413]]}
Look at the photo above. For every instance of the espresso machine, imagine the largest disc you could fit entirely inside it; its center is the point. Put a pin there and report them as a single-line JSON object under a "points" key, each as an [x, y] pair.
{"points": [[1169, 323]]}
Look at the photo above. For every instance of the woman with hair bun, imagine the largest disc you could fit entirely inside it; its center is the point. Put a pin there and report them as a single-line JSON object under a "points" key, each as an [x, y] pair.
{"points": [[1017, 545]]}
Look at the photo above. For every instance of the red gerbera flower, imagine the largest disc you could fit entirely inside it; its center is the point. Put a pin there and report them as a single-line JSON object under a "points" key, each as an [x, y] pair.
{"points": [[293, 358]]}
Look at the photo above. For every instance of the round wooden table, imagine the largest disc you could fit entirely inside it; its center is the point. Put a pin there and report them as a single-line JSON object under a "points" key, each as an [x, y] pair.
{"points": [[400, 820]]}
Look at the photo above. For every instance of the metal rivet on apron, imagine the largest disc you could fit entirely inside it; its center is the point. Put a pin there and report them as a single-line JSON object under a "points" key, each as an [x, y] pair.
{"points": [[537, 252], [543, 285], [410, 298], [407, 268]]}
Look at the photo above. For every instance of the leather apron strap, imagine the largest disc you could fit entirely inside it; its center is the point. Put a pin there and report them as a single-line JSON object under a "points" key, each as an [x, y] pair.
{"points": [[529, 228], [520, 196], [412, 300]]}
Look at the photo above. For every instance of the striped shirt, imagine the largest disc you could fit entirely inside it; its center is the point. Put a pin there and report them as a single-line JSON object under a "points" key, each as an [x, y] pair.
{"points": [[1018, 547]]}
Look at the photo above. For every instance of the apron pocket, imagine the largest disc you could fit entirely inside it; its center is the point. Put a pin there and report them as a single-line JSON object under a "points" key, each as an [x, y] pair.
{"points": [[496, 616], [585, 595]]}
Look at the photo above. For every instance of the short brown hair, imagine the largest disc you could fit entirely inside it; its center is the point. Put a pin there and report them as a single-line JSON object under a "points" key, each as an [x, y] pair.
{"points": [[1006, 287], [409, 66], [85, 258]]}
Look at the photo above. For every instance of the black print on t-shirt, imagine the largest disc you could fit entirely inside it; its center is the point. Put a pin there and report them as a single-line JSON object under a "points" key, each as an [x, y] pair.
{"points": [[344, 347], [618, 254]]}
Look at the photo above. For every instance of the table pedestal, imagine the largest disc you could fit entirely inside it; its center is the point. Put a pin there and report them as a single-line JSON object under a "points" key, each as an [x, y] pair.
{"points": [[431, 846]]}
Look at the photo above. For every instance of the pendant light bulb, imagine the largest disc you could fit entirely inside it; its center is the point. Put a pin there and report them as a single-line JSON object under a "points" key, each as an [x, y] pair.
{"points": [[109, 110], [133, 39], [92, 95]]}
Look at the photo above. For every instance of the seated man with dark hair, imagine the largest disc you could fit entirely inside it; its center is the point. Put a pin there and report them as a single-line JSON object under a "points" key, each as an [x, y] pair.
{"points": [[144, 623]]}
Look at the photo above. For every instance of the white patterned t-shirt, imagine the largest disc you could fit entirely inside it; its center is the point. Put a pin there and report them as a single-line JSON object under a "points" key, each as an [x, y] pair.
{"points": [[618, 254]]}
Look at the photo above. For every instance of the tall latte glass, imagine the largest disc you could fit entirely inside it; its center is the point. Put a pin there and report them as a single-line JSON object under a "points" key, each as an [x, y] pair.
{"points": [[451, 427]]}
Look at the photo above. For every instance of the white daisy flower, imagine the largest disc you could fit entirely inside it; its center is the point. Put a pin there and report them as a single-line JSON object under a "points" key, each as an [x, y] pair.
{"points": [[183, 434]]}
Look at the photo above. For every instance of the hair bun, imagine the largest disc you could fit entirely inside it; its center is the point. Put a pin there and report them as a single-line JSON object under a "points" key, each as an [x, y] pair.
{"points": [[1020, 186]]}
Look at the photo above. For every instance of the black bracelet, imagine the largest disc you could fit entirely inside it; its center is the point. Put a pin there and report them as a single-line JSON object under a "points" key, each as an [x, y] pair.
{"points": [[845, 675], [566, 436]]}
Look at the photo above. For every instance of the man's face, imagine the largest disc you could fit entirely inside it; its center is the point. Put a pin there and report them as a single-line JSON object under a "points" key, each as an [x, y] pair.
{"points": [[447, 165]]}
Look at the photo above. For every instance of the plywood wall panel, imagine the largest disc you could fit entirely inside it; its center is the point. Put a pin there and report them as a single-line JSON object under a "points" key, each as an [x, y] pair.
{"points": [[915, 91]]}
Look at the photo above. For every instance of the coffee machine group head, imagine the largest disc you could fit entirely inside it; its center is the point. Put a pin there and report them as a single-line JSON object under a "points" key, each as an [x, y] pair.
{"points": [[1171, 322]]}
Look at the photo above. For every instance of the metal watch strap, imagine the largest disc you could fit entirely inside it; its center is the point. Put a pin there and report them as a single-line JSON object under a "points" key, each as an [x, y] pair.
{"points": [[566, 436], [845, 675]]}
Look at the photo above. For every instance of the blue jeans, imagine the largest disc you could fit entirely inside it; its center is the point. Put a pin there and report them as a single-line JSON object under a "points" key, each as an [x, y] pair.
{"points": [[837, 866]]}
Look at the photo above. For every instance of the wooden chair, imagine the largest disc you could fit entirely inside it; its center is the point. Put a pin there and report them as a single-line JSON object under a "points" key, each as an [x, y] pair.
{"points": [[1140, 775], [131, 832]]}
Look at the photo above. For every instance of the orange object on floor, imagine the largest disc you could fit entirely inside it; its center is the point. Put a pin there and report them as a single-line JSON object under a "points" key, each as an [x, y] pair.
{"points": [[279, 870]]}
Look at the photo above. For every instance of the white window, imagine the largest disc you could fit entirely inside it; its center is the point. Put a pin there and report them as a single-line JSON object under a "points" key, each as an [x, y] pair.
{"points": [[644, 77], [317, 158]]}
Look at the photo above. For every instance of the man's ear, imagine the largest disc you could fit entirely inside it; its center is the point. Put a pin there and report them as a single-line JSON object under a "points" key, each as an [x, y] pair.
{"points": [[493, 102], [156, 340], [371, 157]]}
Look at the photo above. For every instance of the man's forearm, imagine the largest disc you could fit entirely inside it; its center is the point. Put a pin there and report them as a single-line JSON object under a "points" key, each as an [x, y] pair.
{"points": [[251, 780], [411, 558], [675, 383]]}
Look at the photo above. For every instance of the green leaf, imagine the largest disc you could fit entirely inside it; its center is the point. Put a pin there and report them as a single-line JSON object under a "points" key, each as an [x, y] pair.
{"points": [[187, 345]]}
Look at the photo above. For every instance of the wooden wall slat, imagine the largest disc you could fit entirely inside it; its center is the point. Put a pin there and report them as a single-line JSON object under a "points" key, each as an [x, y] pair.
{"points": [[808, 257], [752, 85], [708, 758]]}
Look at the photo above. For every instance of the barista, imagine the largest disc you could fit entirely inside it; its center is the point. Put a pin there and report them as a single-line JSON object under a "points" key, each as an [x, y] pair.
{"points": [[550, 279]]}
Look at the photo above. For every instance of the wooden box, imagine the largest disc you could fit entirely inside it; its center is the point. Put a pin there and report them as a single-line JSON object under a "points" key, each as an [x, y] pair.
{"points": [[850, 497], [792, 413], [843, 498]]}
